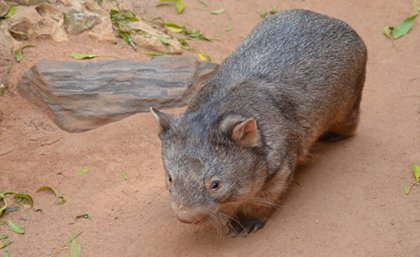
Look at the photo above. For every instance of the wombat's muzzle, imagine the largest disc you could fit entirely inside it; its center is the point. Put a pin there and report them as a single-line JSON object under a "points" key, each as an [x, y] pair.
{"points": [[190, 215]]}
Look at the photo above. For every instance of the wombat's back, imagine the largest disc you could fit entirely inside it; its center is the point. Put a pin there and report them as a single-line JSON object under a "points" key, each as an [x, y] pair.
{"points": [[311, 65], [316, 61], [295, 46]]}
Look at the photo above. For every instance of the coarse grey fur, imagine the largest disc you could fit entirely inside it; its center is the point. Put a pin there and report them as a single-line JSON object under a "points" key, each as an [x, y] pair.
{"points": [[298, 76]]}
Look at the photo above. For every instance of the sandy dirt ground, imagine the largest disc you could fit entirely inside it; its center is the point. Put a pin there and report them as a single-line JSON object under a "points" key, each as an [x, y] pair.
{"points": [[348, 201]]}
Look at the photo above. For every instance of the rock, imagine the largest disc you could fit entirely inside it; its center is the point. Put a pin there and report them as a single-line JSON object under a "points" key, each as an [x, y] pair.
{"points": [[21, 30], [76, 22], [21, 24], [79, 96], [46, 10], [6, 59], [93, 6], [4, 9], [64, 2], [103, 32], [47, 27], [150, 40], [28, 2], [115, 4], [154, 44]]}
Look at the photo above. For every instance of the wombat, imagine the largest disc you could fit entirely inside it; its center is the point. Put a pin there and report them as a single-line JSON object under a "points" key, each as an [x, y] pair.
{"points": [[297, 77]]}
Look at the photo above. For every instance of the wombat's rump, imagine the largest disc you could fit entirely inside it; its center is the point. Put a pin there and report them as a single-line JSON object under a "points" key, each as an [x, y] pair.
{"points": [[297, 77]]}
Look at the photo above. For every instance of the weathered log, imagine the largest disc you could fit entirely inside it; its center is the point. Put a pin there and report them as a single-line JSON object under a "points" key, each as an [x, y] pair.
{"points": [[79, 96]]}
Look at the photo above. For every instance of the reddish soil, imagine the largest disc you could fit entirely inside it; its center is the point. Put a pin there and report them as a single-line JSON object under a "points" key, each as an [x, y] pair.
{"points": [[348, 201]]}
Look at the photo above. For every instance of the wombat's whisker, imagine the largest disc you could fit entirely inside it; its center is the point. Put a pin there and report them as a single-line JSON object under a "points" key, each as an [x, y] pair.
{"points": [[230, 218], [217, 222]]}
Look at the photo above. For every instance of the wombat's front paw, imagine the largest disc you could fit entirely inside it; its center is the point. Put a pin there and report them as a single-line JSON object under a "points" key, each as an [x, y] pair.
{"points": [[244, 226]]}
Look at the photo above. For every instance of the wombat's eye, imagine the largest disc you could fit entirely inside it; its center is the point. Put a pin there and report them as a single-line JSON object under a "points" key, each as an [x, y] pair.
{"points": [[215, 185]]}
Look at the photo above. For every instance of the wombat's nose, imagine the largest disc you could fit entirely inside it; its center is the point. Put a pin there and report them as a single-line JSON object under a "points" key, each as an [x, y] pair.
{"points": [[191, 216]]}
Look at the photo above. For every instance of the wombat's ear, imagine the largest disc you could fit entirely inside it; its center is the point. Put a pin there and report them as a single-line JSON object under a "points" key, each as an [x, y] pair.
{"points": [[162, 119], [246, 133]]}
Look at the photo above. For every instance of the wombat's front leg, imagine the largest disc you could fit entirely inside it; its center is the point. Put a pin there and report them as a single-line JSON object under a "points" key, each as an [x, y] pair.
{"points": [[249, 219], [253, 214]]}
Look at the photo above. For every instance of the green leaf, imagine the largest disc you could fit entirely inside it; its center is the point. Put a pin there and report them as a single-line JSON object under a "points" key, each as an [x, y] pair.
{"points": [[229, 29], [4, 244], [184, 44], [387, 31], [172, 27], [19, 55], [152, 55], [59, 199], [5, 204], [19, 52], [407, 189], [265, 14], [119, 20], [5, 254], [197, 35], [164, 41], [83, 216], [73, 237], [217, 11], [3, 236], [404, 27], [126, 36], [416, 172], [47, 189], [119, 16], [125, 174], [15, 227], [180, 6], [193, 34], [80, 56], [401, 30], [83, 171], [10, 12], [75, 249], [25, 197]]}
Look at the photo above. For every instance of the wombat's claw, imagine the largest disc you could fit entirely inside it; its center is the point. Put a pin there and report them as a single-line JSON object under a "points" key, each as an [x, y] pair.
{"points": [[244, 226], [332, 137]]}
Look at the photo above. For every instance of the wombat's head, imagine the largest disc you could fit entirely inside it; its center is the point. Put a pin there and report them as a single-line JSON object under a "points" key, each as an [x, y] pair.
{"points": [[212, 164]]}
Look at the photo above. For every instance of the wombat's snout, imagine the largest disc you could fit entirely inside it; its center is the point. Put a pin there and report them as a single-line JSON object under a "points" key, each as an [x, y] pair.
{"points": [[190, 215]]}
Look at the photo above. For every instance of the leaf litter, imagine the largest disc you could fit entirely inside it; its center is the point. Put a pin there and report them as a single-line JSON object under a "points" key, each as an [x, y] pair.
{"points": [[19, 52], [13, 226], [416, 174], [82, 56], [59, 199], [179, 5], [20, 198]]}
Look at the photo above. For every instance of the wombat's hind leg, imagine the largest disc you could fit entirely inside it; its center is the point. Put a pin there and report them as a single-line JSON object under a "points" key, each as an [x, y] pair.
{"points": [[343, 129]]}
